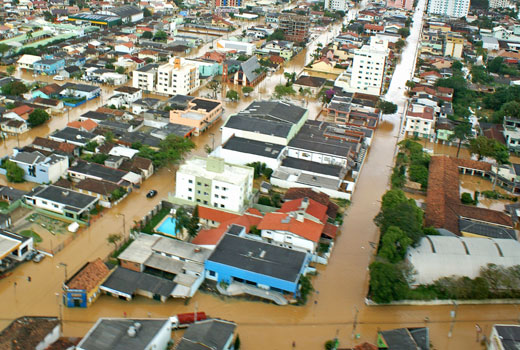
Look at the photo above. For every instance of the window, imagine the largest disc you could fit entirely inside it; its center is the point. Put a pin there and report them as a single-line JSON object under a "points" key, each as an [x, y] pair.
{"points": [[190, 198], [190, 189], [190, 181], [222, 206], [212, 273]]}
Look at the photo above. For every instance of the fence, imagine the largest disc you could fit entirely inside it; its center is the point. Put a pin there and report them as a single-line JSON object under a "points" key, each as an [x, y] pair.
{"points": [[163, 204]]}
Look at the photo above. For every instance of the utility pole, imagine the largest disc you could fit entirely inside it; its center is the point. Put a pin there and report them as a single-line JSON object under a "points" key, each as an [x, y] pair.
{"points": [[124, 224], [60, 310], [453, 315], [354, 325]]}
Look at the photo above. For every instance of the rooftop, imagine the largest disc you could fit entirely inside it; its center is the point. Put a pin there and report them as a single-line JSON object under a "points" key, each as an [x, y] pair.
{"points": [[509, 336], [98, 170], [71, 199], [230, 173], [258, 257], [128, 281], [27, 332], [207, 334], [264, 149], [90, 276]]}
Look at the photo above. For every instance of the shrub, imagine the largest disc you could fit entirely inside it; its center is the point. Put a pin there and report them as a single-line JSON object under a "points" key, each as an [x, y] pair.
{"points": [[466, 198]]}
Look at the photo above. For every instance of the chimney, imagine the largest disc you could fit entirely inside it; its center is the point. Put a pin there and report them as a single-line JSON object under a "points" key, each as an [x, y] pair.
{"points": [[299, 216], [131, 332], [305, 203]]}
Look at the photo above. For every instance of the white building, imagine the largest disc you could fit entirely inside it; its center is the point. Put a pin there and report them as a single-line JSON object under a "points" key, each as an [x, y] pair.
{"points": [[26, 62], [177, 77], [490, 43], [442, 256], [232, 45], [368, 68], [145, 77], [496, 4], [336, 5], [123, 333], [420, 121], [212, 182], [450, 8], [15, 246]]}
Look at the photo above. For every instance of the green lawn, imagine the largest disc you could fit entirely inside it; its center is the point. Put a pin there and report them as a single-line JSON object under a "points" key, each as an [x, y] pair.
{"points": [[30, 233], [4, 205]]}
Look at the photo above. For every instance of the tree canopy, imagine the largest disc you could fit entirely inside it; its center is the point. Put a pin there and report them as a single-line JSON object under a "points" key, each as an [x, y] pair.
{"points": [[13, 172], [387, 107], [14, 88], [38, 117], [232, 95], [172, 150]]}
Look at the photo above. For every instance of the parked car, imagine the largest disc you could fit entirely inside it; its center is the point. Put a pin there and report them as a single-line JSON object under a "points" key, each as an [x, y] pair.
{"points": [[151, 194], [58, 77], [39, 257]]}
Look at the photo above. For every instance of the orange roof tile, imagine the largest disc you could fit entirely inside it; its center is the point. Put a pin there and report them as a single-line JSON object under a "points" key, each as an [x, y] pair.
{"points": [[91, 275], [212, 236], [21, 110], [314, 209], [307, 229], [215, 214]]}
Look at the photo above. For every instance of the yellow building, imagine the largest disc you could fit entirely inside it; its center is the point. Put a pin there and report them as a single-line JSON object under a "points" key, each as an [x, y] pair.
{"points": [[200, 114], [453, 45]]}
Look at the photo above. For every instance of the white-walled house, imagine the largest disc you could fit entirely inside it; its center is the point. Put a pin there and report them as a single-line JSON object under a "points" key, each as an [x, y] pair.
{"points": [[420, 121], [212, 182], [243, 151]]}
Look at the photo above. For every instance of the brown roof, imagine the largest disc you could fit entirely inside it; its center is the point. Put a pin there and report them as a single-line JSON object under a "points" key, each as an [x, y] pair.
{"points": [[110, 111], [90, 276], [47, 143], [51, 89], [46, 101], [97, 186], [136, 164], [320, 197], [310, 81], [443, 206], [127, 89], [26, 332], [63, 183], [64, 344]]}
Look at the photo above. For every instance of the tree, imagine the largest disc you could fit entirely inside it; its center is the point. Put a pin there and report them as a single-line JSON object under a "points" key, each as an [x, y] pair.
{"points": [[147, 12], [404, 32], [419, 173], [113, 238], [461, 132], [214, 86], [14, 88], [501, 157], [38, 117], [147, 35], [387, 107], [278, 34], [48, 16], [466, 198], [193, 225], [291, 78], [10, 70], [109, 66], [400, 44], [171, 150], [118, 193], [281, 90], [13, 172], [182, 221], [410, 84], [394, 244], [109, 137], [120, 70], [232, 95], [387, 282], [237, 343], [4, 48], [246, 90], [482, 147], [160, 36]]}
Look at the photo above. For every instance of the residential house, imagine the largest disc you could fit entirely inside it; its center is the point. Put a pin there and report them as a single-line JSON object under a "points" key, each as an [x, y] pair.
{"points": [[138, 165], [126, 334], [177, 77], [242, 151], [420, 121], [49, 66], [268, 270], [103, 190], [512, 132], [313, 84], [211, 334], [82, 289], [31, 332], [15, 246], [48, 91], [81, 170], [129, 94], [212, 182], [145, 78], [70, 204], [244, 73], [75, 136], [39, 168], [404, 338], [200, 113], [504, 336], [26, 62], [56, 106], [13, 126], [88, 92]]}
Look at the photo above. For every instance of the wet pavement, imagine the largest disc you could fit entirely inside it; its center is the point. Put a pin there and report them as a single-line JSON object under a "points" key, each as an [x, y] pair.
{"points": [[337, 308]]}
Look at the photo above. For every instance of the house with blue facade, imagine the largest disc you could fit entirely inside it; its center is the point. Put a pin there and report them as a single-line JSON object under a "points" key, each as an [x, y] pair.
{"points": [[82, 289], [207, 68], [83, 91], [38, 167], [49, 66], [262, 266]]}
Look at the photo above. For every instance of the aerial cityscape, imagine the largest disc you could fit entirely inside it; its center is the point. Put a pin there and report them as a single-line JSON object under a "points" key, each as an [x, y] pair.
{"points": [[259, 174]]}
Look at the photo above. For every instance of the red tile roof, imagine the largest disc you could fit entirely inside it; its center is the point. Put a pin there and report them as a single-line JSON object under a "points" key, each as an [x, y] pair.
{"points": [[374, 27], [330, 230], [90, 276], [314, 209], [320, 197], [212, 236], [215, 214], [307, 229], [87, 124], [22, 110]]}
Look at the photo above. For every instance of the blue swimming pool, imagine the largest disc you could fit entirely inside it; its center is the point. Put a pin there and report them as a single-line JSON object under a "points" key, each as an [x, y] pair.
{"points": [[167, 226]]}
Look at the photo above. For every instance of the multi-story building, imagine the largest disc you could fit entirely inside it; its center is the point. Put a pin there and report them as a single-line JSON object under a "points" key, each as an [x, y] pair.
{"points": [[420, 121], [496, 4], [177, 77], [453, 45], [368, 69], [212, 182], [295, 27], [227, 3], [200, 114], [402, 4], [145, 77], [450, 8], [336, 5]]}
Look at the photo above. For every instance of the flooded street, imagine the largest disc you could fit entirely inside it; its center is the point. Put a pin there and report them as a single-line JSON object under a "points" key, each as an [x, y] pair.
{"points": [[336, 308]]}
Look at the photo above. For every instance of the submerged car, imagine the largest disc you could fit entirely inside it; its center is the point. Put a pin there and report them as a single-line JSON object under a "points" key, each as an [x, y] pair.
{"points": [[151, 194]]}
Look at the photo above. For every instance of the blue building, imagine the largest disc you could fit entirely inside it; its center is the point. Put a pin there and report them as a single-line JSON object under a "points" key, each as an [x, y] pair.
{"points": [[49, 66], [38, 167], [82, 289], [255, 263]]}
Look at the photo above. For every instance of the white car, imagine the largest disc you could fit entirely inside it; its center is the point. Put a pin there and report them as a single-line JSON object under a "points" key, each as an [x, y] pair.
{"points": [[58, 77]]}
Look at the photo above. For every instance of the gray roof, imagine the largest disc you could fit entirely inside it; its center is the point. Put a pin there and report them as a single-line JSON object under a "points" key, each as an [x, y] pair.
{"points": [[127, 282], [81, 87], [482, 229], [148, 67], [73, 135], [402, 339], [10, 193], [28, 157], [96, 115], [207, 334], [181, 249], [261, 126], [259, 257], [98, 170], [264, 149], [313, 167], [275, 111], [249, 67], [113, 334], [73, 200], [125, 11], [509, 335]]}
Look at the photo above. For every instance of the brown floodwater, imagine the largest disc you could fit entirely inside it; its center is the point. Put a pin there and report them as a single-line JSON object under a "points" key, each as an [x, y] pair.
{"points": [[332, 309]]}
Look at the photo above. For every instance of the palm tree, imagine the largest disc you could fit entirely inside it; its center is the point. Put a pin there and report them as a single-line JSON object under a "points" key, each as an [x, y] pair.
{"points": [[501, 157], [461, 132], [305, 94]]}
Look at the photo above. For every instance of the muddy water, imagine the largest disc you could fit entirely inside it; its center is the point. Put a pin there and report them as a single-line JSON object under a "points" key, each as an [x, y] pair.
{"points": [[342, 285]]}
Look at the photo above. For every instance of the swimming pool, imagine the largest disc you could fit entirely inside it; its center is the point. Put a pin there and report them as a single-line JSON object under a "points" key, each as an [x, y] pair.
{"points": [[167, 226]]}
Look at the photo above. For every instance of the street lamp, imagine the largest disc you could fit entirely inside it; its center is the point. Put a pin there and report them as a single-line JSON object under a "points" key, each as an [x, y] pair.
{"points": [[453, 315], [60, 310], [124, 223], [61, 264]]}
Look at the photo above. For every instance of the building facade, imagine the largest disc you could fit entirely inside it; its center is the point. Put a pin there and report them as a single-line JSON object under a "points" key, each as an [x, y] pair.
{"points": [[145, 78], [450, 8], [402, 4], [177, 77], [212, 182], [368, 68], [336, 5], [295, 27]]}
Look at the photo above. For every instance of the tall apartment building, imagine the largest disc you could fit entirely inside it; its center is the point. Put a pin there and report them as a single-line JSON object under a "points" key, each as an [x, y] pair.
{"points": [[450, 8], [295, 27], [496, 4], [401, 4], [177, 77], [212, 182], [145, 77], [227, 3], [368, 68], [337, 5]]}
